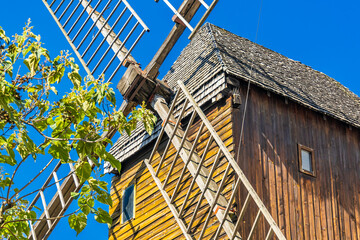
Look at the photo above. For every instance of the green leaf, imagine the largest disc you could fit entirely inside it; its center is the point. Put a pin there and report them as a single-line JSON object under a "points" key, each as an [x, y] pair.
{"points": [[75, 78], [52, 88], [105, 198], [25, 51], [102, 216], [113, 161], [8, 160], [83, 170], [3, 36], [110, 96], [85, 189], [107, 140], [60, 150], [8, 67], [41, 125], [85, 208], [4, 183], [78, 222], [32, 63], [75, 195], [12, 52]]}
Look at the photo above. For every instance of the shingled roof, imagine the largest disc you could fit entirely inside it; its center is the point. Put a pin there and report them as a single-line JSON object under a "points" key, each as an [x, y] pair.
{"points": [[286, 77], [215, 51]]}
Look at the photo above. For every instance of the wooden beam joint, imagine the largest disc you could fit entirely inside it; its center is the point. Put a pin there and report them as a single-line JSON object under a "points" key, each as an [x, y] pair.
{"points": [[176, 19], [136, 87]]}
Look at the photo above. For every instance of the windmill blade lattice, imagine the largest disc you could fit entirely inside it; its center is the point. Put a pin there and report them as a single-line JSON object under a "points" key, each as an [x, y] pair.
{"points": [[102, 33], [179, 18]]}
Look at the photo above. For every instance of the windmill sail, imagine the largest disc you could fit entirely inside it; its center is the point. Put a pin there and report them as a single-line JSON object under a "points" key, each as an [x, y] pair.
{"points": [[102, 33]]}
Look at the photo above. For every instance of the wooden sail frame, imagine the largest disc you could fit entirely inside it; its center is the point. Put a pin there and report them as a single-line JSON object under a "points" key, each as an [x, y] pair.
{"points": [[118, 29]]}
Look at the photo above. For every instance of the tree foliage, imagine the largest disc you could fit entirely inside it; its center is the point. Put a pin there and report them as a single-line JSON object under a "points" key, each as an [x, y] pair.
{"points": [[35, 121]]}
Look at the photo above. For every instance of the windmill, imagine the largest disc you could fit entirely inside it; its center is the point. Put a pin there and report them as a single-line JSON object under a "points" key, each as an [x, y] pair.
{"points": [[103, 41]]}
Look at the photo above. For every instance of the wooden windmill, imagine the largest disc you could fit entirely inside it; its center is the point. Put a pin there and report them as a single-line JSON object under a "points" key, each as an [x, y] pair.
{"points": [[103, 41]]}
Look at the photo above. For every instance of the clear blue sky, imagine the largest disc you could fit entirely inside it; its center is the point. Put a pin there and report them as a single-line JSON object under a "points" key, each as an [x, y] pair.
{"points": [[323, 34]]}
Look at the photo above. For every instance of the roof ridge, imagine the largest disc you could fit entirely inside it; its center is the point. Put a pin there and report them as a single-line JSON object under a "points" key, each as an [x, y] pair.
{"points": [[344, 88], [209, 26]]}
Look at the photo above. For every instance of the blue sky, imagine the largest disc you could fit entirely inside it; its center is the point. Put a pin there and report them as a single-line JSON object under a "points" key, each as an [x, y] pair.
{"points": [[323, 34]]}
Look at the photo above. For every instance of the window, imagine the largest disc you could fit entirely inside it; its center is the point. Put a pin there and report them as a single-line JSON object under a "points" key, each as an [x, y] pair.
{"points": [[128, 204], [306, 160]]}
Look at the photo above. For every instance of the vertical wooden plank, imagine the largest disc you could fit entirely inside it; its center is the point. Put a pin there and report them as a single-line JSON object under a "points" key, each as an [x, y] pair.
{"points": [[298, 179], [292, 207], [322, 187], [346, 183], [254, 118], [286, 202], [263, 125], [279, 193], [305, 208], [330, 201], [316, 183], [291, 165], [334, 200], [283, 145], [355, 137], [272, 190], [318, 227], [311, 209], [349, 156]]}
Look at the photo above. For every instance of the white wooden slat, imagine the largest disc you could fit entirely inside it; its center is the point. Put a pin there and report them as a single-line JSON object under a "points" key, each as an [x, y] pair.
{"points": [[204, 4], [179, 15], [32, 231], [171, 138], [61, 196], [203, 18], [45, 208], [254, 225], [177, 152], [269, 234], [76, 180]]}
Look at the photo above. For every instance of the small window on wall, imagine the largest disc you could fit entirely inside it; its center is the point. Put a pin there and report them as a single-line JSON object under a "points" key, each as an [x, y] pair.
{"points": [[128, 204], [306, 160]]}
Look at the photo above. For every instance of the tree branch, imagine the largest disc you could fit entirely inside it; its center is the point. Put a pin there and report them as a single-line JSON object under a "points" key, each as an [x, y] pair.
{"points": [[42, 170], [64, 139], [43, 188], [10, 232], [17, 168]]}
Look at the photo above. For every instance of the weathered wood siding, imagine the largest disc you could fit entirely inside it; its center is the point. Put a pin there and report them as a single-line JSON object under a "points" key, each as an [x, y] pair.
{"points": [[153, 219], [305, 207]]}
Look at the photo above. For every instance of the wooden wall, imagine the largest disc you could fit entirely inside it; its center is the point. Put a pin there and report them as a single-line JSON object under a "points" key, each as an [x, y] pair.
{"points": [[153, 219], [305, 207]]}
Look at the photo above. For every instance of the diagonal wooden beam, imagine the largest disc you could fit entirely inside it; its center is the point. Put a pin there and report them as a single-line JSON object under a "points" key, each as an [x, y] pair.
{"points": [[160, 105], [187, 9]]}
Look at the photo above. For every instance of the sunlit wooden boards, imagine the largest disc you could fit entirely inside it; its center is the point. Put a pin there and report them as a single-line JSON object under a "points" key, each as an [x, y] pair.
{"points": [[304, 207], [153, 218]]}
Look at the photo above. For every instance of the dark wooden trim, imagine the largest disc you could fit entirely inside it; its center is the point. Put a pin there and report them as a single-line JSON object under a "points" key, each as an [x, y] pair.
{"points": [[313, 165], [236, 125]]}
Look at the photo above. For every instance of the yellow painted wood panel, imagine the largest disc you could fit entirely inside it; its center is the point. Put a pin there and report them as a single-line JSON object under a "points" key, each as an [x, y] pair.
{"points": [[153, 219]]}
